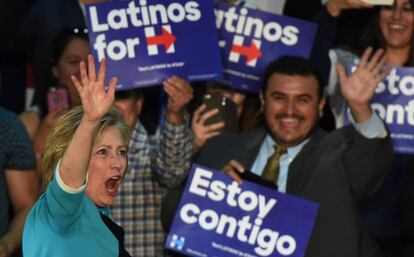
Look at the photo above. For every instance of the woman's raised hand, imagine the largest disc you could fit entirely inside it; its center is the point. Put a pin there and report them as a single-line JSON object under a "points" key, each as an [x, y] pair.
{"points": [[96, 100]]}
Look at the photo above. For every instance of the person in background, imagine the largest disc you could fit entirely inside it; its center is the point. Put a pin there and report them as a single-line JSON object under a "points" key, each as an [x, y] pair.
{"points": [[85, 160], [19, 189], [155, 163], [390, 28], [69, 48], [39, 28]]}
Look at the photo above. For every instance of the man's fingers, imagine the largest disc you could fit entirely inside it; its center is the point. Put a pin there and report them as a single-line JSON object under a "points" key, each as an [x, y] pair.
{"points": [[172, 84], [235, 176], [235, 164], [170, 90], [181, 84], [232, 171]]}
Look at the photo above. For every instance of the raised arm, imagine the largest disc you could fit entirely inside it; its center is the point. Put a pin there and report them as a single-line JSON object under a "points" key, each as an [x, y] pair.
{"points": [[96, 101], [326, 20], [368, 159], [179, 93], [173, 155]]}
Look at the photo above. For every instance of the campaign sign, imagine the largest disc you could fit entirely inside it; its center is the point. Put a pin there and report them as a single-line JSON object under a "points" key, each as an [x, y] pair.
{"points": [[251, 39], [145, 42], [218, 217], [394, 103]]}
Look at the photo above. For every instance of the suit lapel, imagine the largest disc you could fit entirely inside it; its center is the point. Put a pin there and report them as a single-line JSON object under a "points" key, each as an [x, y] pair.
{"points": [[302, 167], [247, 154]]}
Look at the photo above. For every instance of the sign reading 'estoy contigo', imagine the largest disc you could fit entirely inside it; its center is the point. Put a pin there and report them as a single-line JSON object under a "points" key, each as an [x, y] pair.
{"points": [[218, 217], [145, 42], [393, 102]]}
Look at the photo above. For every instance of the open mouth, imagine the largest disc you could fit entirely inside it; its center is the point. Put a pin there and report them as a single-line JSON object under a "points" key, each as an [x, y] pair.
{"points": [[289, 122], [112, 185]]}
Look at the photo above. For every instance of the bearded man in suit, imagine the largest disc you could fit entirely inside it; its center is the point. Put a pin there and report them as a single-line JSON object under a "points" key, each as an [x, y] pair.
{"points": [[335, 170]]}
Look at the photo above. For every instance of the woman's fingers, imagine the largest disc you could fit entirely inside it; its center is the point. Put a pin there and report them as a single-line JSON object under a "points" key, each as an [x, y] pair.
{"points": [[365, 57], [91, 68], [112, 86], [102, 72], [83, 73], [380, 64], [375, 59], [76, 83], [384, 73]]}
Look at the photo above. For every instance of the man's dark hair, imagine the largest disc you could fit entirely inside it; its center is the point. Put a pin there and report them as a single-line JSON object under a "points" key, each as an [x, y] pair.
{"points": [[292, 65], [135, 93]]}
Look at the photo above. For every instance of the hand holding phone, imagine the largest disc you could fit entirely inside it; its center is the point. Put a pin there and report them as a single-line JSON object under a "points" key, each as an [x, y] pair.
{"points": [[227, 111], [57, 97]]}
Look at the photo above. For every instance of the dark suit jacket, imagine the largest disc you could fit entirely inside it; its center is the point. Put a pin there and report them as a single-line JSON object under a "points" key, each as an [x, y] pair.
{"points": [[336, 170]]}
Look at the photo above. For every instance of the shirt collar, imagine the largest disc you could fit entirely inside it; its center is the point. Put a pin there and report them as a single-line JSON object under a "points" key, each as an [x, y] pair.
{"points": [[139, 137], [105, 211], [291, 151]]}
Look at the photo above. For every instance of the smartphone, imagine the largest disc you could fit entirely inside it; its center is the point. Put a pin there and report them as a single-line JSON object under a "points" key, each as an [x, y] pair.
{"points": [[251, 177], [227, 111], [379, 2], [57, 97]]}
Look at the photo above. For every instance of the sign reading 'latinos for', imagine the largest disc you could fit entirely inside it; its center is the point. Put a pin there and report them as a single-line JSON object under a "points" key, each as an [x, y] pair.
{"points": [[218, 217], [147, 42]]}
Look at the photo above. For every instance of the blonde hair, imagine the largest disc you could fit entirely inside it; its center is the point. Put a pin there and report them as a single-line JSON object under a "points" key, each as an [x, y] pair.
{"points": [[63, 131]]}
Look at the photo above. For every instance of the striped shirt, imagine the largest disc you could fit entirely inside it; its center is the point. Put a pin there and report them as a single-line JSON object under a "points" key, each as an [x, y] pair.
{"points": [[155, 163]]}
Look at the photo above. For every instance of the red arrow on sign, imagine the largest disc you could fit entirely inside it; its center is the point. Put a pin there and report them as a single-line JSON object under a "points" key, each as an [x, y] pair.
{"points": [[166, 39], [251, 52]]}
